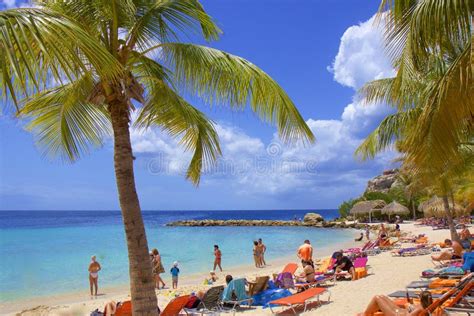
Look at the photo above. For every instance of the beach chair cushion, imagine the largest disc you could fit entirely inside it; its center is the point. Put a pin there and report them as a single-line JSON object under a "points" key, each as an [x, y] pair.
{"points": [[437, 283], [299, 298]]}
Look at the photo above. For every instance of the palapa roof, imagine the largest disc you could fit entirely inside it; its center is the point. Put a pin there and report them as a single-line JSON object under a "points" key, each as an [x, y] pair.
{"points": [[365, 207], [435, 207], [395, 208]]}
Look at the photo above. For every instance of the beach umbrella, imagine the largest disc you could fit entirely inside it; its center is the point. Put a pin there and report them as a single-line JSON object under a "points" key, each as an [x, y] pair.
{"points": [[367, 207], [395, 208], [435, 207]]}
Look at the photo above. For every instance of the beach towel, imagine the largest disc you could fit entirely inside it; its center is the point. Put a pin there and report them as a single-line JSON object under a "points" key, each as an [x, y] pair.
{"points": [[236, 287], [285, 280], [262, 298], [360, 262]]}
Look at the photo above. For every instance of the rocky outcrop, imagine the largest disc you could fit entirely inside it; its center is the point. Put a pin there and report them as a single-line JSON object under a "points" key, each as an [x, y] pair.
{"points": [[384, 182], [312, 218], [315, 222]]}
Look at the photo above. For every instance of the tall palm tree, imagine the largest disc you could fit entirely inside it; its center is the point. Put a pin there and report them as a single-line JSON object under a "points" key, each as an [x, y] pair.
{"points": [[74, 67]]}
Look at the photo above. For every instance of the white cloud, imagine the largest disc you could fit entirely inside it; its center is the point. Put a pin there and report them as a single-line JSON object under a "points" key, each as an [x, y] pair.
{"points": [[326, 170], [361, 56], [9, 3]]}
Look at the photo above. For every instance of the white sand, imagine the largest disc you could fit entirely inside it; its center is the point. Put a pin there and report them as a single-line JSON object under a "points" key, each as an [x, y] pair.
{"points": [[386, 274]]}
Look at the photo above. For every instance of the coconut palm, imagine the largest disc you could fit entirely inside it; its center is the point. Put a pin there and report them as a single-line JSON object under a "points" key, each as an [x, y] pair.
{"points": [[77, 70]]}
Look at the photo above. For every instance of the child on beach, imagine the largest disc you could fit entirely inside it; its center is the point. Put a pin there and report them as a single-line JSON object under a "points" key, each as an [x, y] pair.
{"points": [[174, 274]]}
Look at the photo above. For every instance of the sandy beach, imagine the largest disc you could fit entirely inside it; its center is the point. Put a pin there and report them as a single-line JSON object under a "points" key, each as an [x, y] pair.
{"points": [[386, 274]]}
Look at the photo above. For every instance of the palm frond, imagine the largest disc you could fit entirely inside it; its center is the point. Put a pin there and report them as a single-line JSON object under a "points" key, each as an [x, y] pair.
{"points": [[447, 119], [65, 124], [38, 46], [166, 109], [392, 128], [224, 79], [158, 21]]}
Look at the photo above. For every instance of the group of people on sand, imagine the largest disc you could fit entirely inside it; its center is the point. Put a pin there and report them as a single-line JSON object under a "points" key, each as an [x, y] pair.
{"points": [[305, 254], [458, 250], [456, 247], [259, 250]]}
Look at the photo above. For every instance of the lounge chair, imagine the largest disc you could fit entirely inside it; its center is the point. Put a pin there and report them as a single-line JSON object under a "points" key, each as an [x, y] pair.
{"points": [[319, 281], [175, 306], [123, 309], [291, 268], [303, 298], [235, 295], [210, 301], [259, 285]]}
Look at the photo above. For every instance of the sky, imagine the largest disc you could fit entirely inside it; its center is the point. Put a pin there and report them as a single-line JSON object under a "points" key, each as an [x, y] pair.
{"points": [[321, 52]]}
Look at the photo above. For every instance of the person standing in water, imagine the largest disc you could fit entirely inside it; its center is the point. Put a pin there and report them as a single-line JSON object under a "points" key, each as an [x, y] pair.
{"points": [[217, 258], [94, 268], [263, 249]]}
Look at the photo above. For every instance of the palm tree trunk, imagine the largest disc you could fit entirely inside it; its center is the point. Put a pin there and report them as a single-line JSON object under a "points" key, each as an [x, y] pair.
{"points": [[449, 216], [413, 209], [142, 286]]}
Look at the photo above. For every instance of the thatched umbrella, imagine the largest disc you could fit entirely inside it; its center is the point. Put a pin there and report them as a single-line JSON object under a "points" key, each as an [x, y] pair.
{"points": [[367, 207], [395, 208], [435, 207]]}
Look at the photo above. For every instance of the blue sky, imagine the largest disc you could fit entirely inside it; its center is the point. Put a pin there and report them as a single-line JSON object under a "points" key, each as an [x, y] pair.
{"points": [[320, 52]]}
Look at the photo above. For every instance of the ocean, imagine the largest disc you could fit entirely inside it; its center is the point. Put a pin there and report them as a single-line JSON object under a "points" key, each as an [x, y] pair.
{"points": [[48, 252]]}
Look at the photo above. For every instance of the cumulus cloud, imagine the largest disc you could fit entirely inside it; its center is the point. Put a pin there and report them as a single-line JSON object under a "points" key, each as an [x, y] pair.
{"points": [[360, 57], [326, 170]]}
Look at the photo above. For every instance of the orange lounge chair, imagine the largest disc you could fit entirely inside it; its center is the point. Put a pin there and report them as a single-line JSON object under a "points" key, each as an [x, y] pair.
{"points": [[303, 298], [291, 268], [175, 306], [124, 309]]}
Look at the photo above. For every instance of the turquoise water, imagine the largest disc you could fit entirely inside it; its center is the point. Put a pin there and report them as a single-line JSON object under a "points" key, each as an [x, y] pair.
{"points": [[50, 255]]}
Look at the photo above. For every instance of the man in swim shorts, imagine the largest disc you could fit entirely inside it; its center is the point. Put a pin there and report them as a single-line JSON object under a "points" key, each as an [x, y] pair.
{"points": [[305, 251], [456, 252], [343, 263]]}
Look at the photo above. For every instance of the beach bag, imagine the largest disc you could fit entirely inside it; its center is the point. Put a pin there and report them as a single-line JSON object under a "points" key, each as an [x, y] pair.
{"points": [[285, 281]]}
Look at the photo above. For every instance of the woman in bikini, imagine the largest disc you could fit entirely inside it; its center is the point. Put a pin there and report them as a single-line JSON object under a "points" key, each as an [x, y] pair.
{"points": [[94, 268], [257, 257], [308, 275], [157, 268]]}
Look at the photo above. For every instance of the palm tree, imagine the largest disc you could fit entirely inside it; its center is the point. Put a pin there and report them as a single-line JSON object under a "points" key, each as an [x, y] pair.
{"points": [[72, 68]]}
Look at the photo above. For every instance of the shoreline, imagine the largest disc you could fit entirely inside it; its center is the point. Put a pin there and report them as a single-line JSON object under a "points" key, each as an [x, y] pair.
{"points": [[386, 274], [121, 292]]}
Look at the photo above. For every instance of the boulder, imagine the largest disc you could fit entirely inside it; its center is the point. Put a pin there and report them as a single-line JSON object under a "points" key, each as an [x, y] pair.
{"points": [[312, 218], [382, 183]]}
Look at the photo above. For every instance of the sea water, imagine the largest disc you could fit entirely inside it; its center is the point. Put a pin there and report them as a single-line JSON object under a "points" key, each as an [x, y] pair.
{"points": [[48, 252]]}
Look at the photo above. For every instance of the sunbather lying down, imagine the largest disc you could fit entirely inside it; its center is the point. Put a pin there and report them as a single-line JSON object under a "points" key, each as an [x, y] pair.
{"points": [[448, 255], [389, 308]]}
